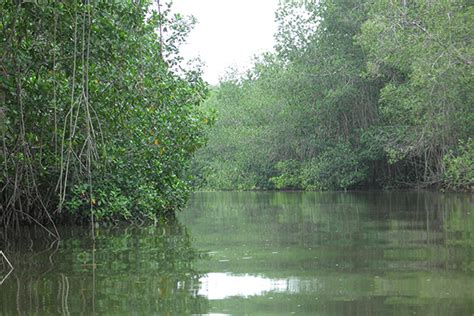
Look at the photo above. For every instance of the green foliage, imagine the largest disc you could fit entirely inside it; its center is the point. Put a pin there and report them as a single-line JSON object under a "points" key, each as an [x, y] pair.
{"points": [[95, 117], [459, 172], [423, 53], [358, 94], [289, 175], [337, 168]]}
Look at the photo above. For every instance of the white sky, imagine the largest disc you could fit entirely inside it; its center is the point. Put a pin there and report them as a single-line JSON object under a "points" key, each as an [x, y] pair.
{"points": [[228, 33], [218, 285]]}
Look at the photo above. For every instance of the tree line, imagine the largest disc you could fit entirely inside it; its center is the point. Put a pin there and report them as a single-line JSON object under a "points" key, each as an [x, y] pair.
{"points": [[358, 94]]}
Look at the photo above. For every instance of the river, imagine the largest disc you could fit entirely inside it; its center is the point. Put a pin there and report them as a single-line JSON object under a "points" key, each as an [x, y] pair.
{"points": [[257, 253]]}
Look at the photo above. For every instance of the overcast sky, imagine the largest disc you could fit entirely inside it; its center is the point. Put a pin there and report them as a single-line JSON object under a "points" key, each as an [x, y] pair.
{"points": [[228, 33]]}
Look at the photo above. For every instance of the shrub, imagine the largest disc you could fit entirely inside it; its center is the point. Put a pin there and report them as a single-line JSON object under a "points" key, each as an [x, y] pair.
{"points": [[459, 167], [337, 168]]}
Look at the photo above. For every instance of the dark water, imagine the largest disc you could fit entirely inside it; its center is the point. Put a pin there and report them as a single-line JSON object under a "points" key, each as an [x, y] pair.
{"points": [[258, 254]]}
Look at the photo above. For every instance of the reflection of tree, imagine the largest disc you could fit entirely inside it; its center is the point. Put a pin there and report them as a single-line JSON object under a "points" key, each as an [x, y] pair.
{"points": [[33, 256], [356, 230], [363, 253], [146, 270], [347, 246]]}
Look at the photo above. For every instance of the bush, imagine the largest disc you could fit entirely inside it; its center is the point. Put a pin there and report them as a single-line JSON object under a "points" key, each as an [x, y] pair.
{"points": [[290, 175], [459, 167], [337, 168]]}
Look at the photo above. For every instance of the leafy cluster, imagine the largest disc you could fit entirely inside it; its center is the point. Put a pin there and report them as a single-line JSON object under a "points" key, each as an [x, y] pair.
{"points": [[95, 119], [459, 172], [358, 94]]}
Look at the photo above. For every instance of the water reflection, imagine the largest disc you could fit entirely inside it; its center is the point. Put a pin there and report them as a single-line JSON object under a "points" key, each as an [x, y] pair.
{"points": [[6, 267], [216, 286], [335, 253], [259, 254], [143, 269]]}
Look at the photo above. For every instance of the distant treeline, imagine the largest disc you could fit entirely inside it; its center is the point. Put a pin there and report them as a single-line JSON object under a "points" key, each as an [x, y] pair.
{"points": [[94, 119], [358, 94]]}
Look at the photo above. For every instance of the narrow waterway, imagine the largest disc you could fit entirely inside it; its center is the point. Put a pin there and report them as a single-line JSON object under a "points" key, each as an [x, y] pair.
{"points": [[266, 253]]}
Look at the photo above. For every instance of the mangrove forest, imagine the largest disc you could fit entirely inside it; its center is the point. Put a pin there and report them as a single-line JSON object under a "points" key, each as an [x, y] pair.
{"points": [[357, 95], [98, 119], [331, 175]]}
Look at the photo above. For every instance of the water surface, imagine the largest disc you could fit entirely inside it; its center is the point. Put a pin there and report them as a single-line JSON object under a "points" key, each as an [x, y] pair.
{"points": [[364, 253]]}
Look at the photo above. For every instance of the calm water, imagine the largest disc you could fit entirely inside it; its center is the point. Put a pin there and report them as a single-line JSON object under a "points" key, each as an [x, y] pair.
{"points": [[258, 254]]}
